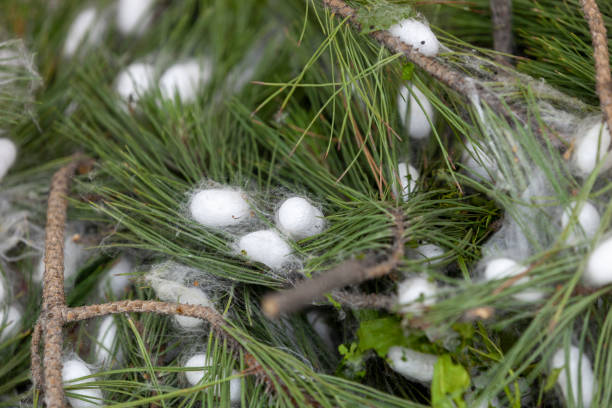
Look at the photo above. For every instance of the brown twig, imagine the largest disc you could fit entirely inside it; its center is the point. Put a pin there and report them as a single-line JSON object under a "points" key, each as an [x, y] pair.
{"points": [[350, 272], [602, 59], [501, 16], [36, 364], [364, 300]]}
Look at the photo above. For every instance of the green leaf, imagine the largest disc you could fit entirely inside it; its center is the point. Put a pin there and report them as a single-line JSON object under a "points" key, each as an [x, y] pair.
{"points": [[380, 335], [449, 383], [552, 379]]}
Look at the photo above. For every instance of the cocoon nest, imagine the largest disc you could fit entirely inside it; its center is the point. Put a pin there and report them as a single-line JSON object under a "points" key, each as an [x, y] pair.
{"points": [[576, 376], [266, 247], [415, 112], [414, 295], [412, 364], [89, 396], [299, 219], [194, 377], [219, 207], [184, 80], [418, 35]]}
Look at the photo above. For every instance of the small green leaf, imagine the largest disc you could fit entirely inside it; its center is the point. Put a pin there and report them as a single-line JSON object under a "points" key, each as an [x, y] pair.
{"points": [[552, 379], [380, 335], [449, 383], [407, 71]]}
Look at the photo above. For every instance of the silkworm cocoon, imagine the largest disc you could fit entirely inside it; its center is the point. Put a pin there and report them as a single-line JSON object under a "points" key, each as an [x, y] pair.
{"points": [[184, 80], [8, 154], [10, 321], [86, 29], [89, 397], [502, 268], [581, 377], [587, 223], [299, 219], [266, 247], [598, 271], [408, 177], [416, 34], [415, 112], [116, 278], [430, 252], [74, 255], [591, 148], [412, 364], [219, 207], [3, 290], [194, 377], [133, 15], [107, 347], [134, 81], [170, 291], [479, 163], [415, 294]]}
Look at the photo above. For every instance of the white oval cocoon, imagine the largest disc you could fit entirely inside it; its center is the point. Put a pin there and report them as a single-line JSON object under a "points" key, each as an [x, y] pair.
{"points": [[107, 347], [598, 271], [414, 295], [174, 292], [412, 364], [587, 224], [194, 377], [299, 219], [134, 81], [430, 252], [591, 148], [266, 247], [502, 268], [74, 256], [91, 397], [133, 15], [418, 109], [117, 278], [479, 162], [8, 155], [86, 29], [185, 79], [218, 207], [408, 176], [416, 34], [3, 289], [10, 320], [581, 377]]}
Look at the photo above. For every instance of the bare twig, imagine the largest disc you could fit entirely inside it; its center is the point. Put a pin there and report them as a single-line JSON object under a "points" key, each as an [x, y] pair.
{"points": [[602, 58], [36, 364], [364, 300], [501, 15], [350, 272]]}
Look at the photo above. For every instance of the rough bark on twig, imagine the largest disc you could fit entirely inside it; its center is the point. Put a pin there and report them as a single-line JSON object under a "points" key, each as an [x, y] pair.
{"points": [[602, 58], [501, 16], [351, 272], [364, 300]]}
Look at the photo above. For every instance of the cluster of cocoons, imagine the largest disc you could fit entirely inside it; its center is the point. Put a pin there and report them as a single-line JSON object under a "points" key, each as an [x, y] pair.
{"points": [[575, 377], [88, 396], [412, 364], [200, 360], [107, 349], [418, 35], [8, 155], [587, 224], [117, 279], [408, 177], [591, 148], [503, 268], [416, 112], [598, 271], [414, 295]]}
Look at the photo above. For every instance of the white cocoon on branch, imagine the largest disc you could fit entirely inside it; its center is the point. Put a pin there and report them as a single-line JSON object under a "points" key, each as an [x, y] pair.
{"points": [[414, 295], [194, 377], [89, 396], [133, 15], [87, 29], [266, 247], [408, 177], [430, 252], [219, 207], [74, 256], [598, 271], [107, 347], [117, 279], [299, 219], [412, 364], [10, 321], [185, 79], [8, 155], [416, 34], [134, 81], [587, 224], [415, 112], [170, 291], [591, 148], [503, 268], [3, 290], [479, 162], [580, 379]]}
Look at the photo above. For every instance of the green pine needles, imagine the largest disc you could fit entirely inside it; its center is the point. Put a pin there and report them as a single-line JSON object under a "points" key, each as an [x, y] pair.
{"points": [[302, 100]]}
